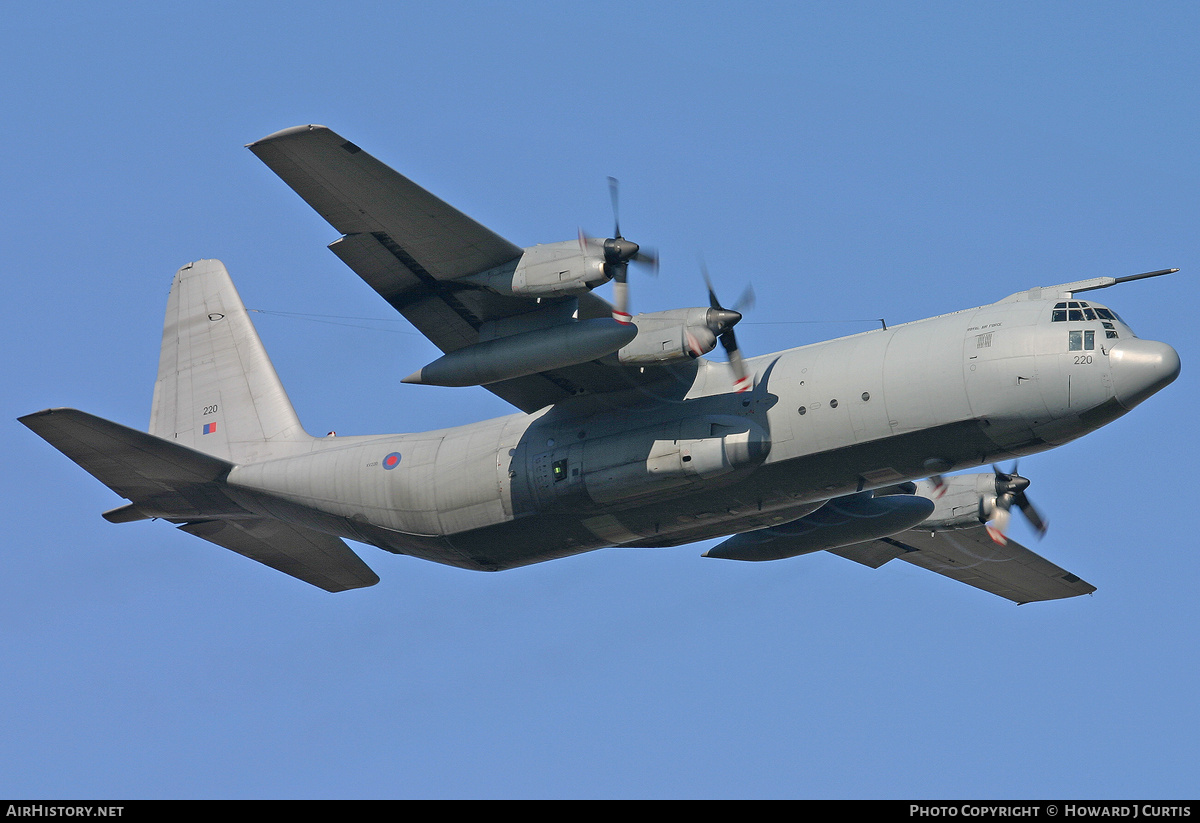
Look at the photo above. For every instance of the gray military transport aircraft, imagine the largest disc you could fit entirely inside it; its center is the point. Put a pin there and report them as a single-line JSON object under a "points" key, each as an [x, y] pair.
{"points": [[626, 435]]}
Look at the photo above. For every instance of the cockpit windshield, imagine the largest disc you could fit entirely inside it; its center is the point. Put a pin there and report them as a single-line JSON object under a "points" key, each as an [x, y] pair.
{"points": [[1079, 311]]}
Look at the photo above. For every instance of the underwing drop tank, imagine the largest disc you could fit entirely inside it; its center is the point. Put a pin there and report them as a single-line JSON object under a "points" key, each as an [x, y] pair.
{"points": [[842, 521], [527, 353]]}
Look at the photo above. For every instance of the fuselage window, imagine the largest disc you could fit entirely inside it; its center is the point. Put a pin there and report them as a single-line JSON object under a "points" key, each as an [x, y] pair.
{"points": [[1082, 340]]}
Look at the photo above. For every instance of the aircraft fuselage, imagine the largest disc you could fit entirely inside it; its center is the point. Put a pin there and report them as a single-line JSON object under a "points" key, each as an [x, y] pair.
{"points": [[691, 460]]}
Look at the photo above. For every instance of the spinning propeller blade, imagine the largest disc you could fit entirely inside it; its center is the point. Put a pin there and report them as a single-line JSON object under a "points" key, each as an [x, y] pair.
{"points": [[722, 320], [617, 253], [937, 465], [1010, 491]]}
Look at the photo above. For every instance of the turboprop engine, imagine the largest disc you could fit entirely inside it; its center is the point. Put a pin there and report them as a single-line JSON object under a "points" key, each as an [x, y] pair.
{"points": [[965, 501], [549, 270], [678, 334]]}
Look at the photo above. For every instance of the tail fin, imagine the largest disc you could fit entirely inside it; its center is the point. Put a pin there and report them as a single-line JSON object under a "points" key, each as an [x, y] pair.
{"points": [[217, 391]]}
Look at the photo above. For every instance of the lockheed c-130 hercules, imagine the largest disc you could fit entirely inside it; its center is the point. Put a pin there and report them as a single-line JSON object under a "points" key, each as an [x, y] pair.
{"points": [[626, 434]]}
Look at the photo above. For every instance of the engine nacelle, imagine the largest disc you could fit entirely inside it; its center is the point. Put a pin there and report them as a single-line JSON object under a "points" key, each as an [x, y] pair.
{"points": [[967, 501], [549, 270], [669, 336]]}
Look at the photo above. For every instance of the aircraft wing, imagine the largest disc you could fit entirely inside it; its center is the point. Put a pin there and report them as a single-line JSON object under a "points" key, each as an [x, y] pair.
{"points": [[376, 207], [970, 556], [414, 250]]}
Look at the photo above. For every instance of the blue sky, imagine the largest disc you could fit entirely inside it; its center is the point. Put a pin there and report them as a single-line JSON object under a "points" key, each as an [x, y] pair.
{"points": [[852, 161]]}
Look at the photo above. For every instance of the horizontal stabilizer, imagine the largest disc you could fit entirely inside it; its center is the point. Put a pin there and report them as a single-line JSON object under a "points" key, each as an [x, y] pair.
{"points": [[320, 559], [970, 556], [163, 479]]}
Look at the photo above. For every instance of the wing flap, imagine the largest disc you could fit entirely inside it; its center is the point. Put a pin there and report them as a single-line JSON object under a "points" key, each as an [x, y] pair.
{"points": [[873, 554], [970, 556], [378, 267], [319, 559]]}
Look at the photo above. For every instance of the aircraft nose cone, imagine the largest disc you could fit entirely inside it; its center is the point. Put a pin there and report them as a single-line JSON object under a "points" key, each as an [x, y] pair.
{"points": [[1140, 368]]}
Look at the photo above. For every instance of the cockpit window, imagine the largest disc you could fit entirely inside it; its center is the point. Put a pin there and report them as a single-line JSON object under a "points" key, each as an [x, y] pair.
{"points": [[1078, 311], [1082, 340]]}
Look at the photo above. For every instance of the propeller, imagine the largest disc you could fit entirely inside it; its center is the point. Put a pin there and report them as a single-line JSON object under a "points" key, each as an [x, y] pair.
{"points": [[939, 486], [1010, 491], [721, 321], [618, 252], [938, 465]]}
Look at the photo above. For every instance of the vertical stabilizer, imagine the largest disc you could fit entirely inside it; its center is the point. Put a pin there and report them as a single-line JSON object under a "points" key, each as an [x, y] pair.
{"points": [[217, 391]]}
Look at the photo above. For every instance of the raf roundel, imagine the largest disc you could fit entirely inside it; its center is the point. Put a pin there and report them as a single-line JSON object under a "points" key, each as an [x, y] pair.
{"points": [[392, 460]]}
